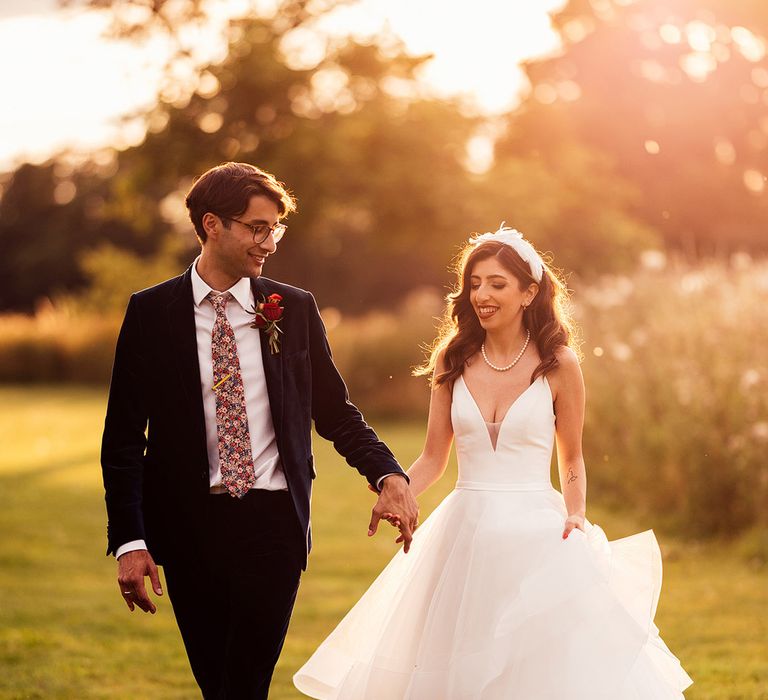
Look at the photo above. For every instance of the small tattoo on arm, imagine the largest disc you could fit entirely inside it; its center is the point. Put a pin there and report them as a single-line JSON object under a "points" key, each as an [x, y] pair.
{"points": [[571, 476]]}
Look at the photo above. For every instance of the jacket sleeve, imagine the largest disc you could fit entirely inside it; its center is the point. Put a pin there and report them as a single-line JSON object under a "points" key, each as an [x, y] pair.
{"points": [[124, 440], [336, 418]]}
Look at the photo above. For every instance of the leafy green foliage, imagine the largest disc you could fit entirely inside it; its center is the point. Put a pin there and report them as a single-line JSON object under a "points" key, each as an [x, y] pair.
{"points": [[115, 273], [48, 215]]}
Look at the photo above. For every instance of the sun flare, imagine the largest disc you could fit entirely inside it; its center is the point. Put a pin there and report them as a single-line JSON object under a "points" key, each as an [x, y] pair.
{"points": [[78, 100]]}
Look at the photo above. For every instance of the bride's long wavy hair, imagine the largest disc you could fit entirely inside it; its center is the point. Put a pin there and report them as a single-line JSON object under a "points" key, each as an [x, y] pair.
{"points": [[460, 334]]}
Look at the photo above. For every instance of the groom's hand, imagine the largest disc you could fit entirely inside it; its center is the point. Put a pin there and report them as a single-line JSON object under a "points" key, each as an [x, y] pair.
{"points": [[396, 500], [132, 567]]}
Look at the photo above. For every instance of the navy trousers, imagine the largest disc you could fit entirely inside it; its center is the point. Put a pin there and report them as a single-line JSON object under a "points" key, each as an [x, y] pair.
{"points": [[234, 596]]}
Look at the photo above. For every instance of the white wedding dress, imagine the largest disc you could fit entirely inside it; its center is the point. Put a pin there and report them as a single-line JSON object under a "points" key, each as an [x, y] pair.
{"points": [[491, 603]]}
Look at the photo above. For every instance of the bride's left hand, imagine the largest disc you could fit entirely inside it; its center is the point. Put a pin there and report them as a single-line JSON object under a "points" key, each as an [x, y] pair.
{"points": [[571, 523]]}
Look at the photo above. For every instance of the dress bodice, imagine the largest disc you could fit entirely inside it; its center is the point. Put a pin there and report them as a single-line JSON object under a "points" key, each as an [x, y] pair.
{"points": [[523, 453]]}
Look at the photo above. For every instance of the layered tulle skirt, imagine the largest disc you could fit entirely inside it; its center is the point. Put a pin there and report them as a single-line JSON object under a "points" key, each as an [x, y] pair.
{"points": [[492, 604]]}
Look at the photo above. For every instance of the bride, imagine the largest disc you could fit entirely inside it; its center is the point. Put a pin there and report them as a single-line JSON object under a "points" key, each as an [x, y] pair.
{"points": [[509, 592]]}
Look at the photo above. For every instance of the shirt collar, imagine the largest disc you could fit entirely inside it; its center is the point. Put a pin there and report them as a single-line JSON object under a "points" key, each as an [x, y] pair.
{"points": [[240, 290]]}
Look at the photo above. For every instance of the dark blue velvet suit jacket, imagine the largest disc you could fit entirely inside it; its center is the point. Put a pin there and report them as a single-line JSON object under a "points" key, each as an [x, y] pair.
{"points": [[154, 458]]}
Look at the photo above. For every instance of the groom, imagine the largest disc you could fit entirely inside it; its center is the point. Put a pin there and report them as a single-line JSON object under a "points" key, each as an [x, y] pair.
{"points": [[207, 456]]}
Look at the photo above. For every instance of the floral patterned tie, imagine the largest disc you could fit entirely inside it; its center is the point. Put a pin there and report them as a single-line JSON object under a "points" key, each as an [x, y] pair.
{"points": [[235, 456]]}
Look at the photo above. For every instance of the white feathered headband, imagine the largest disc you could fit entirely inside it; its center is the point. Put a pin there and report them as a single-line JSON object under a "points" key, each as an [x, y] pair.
{"points": [[514, 239]]}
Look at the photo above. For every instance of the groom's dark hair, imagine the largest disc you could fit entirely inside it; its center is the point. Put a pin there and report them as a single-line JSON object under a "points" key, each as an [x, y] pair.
{"points": [[227, 189]]}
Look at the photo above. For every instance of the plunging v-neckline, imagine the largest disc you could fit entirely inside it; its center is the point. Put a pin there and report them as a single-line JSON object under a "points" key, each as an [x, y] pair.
{"points": [[504, 418]]}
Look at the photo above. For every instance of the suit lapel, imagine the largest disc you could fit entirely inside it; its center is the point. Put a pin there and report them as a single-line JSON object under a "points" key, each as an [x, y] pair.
{"points": [[273, 363], [181, 322]]}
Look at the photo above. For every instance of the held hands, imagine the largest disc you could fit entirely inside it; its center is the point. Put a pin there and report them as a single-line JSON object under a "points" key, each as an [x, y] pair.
{"points": [[571, 523], [397, 506], [132, 567]]}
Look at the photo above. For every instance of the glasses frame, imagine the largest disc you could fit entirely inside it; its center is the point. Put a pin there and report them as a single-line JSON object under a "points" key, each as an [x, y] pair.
{"points": [[277, 231]]}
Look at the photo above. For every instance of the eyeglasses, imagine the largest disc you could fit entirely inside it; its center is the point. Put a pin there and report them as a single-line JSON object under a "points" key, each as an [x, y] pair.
{"points": [[260, 232]]}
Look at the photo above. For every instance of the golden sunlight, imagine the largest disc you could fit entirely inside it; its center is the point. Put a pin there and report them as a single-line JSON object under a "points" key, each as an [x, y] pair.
{"points": [[477, 49], [78, 100]]}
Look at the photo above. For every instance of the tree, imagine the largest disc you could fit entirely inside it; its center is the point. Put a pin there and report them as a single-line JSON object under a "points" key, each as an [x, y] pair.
{"points": [[675, 94], [48, 215], [373, 172]]}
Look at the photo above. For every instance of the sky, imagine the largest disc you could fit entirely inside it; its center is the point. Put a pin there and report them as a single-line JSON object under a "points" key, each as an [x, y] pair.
{"points": [[77, 100]]}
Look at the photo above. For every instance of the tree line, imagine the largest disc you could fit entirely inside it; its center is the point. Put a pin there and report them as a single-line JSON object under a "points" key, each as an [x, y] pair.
{"points": [[648, 130]]}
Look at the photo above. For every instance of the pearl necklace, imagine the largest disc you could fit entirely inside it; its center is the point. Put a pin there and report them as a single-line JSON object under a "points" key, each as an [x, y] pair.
{"points": [[511, 364]]}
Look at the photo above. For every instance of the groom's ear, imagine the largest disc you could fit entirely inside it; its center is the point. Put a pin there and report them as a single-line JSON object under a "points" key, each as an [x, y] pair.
{"points": [[211, 225]]}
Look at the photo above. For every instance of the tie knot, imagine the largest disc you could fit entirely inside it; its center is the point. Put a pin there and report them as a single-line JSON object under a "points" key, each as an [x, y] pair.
{"points": [[219, 301]]}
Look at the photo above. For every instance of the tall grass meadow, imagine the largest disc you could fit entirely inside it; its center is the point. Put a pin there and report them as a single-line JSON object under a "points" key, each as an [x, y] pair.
{"points": [[676, 365]]}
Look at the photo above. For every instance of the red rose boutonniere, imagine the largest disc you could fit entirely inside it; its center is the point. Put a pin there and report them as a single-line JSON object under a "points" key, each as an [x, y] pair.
{"points": [[266, 316]]}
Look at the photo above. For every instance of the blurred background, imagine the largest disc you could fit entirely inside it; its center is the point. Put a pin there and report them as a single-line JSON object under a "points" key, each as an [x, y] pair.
{"points": [[628, 139]]}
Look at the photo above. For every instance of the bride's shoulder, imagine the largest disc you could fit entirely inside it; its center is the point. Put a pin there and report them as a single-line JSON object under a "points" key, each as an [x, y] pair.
{"points": [[566, 358], [567, 374]]}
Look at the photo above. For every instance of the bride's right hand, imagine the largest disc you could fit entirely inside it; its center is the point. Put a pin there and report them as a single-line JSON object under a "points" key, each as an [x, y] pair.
{"points": [[573, 522]]}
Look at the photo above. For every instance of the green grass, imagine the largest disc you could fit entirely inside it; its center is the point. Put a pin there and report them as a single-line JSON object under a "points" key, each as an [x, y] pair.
{"points": [[65, 633]]}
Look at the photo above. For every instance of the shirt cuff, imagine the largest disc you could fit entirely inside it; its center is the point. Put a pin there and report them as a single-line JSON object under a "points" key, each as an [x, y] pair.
{"points": [[131, 546], [381, 479]]}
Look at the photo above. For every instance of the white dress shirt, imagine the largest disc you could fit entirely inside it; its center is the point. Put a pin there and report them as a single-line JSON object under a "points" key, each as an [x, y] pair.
{"points": [[266, 459]]}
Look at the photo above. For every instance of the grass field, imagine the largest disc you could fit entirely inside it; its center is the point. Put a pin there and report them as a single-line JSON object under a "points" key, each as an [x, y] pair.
{"points": [[65, 633]]}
